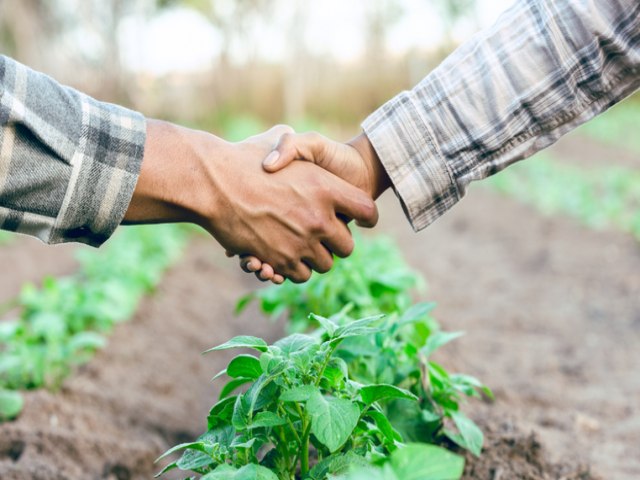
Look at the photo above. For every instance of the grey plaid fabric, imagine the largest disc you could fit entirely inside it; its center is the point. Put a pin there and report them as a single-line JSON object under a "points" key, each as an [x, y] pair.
{"points": [[544, 68], [68, 163]]}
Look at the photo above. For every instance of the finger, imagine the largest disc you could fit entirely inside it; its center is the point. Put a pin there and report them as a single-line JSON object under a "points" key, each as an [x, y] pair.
{"points": [[229, 253], [250, 264], [338, 239], [304, 146], [300, 274], [266, 273], [354, 203], [277, 279], [321, 261]]}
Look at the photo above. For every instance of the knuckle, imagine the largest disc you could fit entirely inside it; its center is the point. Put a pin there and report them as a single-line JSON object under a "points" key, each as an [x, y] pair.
{"points": [[325, 266], [347, 249]]}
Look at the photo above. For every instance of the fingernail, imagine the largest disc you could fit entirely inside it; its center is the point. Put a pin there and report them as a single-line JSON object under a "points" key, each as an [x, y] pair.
{"points": [[271, 159]]}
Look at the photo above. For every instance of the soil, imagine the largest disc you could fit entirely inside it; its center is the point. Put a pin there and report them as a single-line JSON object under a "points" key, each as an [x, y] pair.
{"points": [[552, 315]]}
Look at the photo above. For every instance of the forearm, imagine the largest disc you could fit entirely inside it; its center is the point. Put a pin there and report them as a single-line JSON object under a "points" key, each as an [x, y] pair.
{"points": [[68, 163], [543, 69], [174, 183]]}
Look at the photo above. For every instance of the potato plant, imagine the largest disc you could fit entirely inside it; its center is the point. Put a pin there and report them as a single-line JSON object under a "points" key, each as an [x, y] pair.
{"points": [[374, 279], [301, 415], [62, 323], [400, 355]]}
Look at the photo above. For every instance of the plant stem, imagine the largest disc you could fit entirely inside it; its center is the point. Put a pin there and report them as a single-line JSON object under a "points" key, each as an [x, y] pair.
{"points": [[304, 460]]}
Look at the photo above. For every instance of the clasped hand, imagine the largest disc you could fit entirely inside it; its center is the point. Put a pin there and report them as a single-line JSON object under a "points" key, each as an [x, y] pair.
{"points": [[355, 162]]}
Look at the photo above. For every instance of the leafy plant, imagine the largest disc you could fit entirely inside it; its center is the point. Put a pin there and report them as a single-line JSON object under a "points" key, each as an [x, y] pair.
{"points": [[598, 197], [299, 402], [373, 280], [61, 324], [400, 355], [412, 462]]}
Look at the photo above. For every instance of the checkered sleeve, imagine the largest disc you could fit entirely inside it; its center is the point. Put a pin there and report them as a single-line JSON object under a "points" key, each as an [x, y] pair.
{"points": [[68, 163], [544, 68]]}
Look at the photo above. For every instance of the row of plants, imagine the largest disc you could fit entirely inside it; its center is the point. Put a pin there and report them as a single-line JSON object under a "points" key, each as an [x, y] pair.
{"points": [[351, 393], [597, 197], [617, 126], [62, 323]]}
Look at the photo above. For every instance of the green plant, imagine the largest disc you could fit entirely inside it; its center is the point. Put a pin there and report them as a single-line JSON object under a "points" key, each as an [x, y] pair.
{"points": [[301, 415], [413, 462], [373, 280], [598, 197], [618, 126], [61, 324], [400, 355]]}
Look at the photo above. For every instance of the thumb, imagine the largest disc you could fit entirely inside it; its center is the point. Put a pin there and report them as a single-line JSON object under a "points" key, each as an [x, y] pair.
{"points": [[302, 146]]}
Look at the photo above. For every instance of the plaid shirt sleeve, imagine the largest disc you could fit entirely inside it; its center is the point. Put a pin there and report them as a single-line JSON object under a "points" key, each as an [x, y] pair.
{"points": [[68, 163], [544, 68]]}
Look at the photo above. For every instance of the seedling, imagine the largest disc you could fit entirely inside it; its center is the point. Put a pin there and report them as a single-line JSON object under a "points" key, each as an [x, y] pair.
{"points": [[301, 414]]}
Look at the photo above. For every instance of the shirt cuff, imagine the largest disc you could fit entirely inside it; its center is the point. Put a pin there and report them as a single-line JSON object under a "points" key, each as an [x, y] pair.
{"points": [[420, 174], [105, 170]]}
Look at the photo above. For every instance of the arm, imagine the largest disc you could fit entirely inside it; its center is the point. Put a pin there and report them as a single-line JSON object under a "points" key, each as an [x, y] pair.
{"points": [[73, 169], [543, 69], [68, 163]]}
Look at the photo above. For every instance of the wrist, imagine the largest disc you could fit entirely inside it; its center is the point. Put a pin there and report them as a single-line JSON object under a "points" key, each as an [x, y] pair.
{"points": [[172, 186], [379, 180]]}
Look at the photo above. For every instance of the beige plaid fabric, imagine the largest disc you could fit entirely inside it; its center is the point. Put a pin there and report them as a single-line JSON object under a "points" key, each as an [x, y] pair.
{"points": [[68, 163], [544, 68]]}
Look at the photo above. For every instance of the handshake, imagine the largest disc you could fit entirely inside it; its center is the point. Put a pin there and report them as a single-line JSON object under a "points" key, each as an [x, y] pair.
{"points": [[283, 217]]}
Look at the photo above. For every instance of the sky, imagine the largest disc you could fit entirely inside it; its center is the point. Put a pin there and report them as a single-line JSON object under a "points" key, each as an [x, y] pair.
{"points": [[183, 40]]}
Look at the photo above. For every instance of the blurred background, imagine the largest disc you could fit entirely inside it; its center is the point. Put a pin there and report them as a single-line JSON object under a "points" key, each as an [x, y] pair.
{"points": [[540, 264], [235, 66]]}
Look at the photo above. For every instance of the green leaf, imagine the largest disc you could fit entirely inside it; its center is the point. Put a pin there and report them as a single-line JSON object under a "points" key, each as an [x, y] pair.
{"points": [[470, 436], [232, 385], [332, 419], [248, 472], [192, 460], [384, 425], [370, 473], [437, 340], [243, 302], [363, 326], [295, 343], [168, 468], [267, 419], [87, 341], [199, 446], [416, 312], [336, 464], [11, 404], [246, 366], [374, 393], [329, 325], [242, 341], [241, 413], [418, 461], [299, 394]]}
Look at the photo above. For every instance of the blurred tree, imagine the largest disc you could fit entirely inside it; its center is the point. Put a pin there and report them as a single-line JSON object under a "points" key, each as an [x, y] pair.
{"points": [[26, 27], [453, 11]]}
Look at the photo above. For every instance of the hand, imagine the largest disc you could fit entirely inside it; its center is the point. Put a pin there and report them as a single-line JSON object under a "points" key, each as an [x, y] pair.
{"points": [[356, 162], [292, 219]]}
